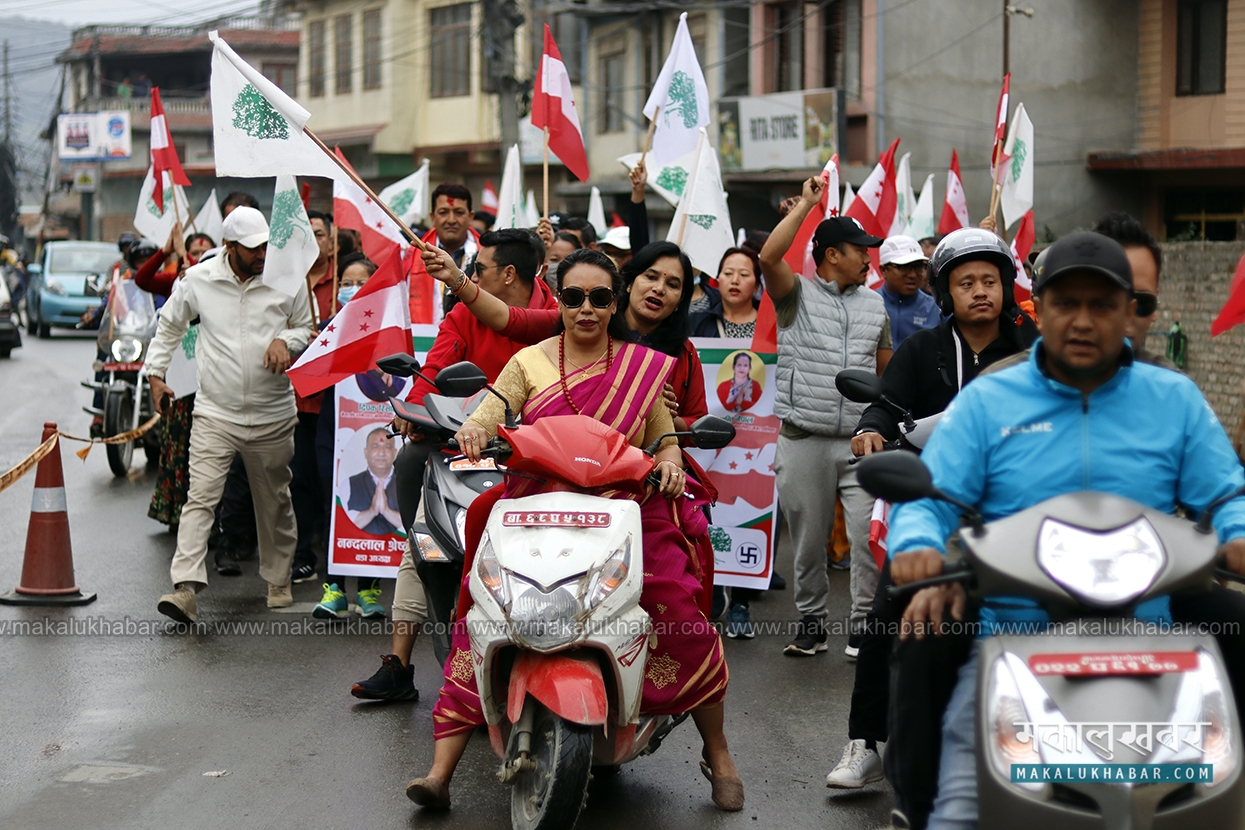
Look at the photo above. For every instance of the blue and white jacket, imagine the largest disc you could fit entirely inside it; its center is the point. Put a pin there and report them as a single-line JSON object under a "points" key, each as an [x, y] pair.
{"points": [[1018, 437]]}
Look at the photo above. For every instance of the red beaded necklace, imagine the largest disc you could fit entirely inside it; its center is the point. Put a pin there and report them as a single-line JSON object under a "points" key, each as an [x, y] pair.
{"points": [[609, 358]]}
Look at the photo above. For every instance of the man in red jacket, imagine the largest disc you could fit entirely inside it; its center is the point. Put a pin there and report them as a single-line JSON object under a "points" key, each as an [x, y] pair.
{"points": [[506, 267]]}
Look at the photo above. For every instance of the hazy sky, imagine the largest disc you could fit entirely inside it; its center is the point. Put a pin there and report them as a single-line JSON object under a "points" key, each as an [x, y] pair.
{"points": [[83, 12]]}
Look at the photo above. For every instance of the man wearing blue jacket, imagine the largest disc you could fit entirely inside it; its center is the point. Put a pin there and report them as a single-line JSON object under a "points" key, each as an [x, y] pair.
{"points": [[1078, 415]]}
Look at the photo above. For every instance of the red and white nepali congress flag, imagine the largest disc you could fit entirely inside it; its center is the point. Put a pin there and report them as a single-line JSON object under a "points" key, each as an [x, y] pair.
{"points": [[955, 206], [1022, 244], [163, 153], [1000, 124], [488, 199], [354, 209], [800, 255], [879, 527], [553, 108], [375, 323], [875, 204]]}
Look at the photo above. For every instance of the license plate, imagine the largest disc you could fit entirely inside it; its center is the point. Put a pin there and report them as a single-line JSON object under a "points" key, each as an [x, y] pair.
{"points": [[467, 464], [1103, 664], [555, 519], [122, 367]]}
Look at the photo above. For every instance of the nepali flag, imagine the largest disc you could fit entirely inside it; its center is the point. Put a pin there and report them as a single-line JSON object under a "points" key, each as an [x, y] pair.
{"points": [[163, 153], [553, 110], [875, 205], [1233, 311], [955, 205], [800, 255], [1022, 244], [1000, 125], [879, 527], [375, 323], [354, 209]]}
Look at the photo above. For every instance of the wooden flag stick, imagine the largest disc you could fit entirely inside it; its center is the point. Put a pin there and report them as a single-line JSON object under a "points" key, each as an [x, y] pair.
{"points": [[682, 230], [546, 172], [333, 265], [648, 140], [354, 177]]}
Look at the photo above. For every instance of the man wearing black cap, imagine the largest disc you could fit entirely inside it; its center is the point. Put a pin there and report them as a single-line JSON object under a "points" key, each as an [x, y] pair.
{"points": [[825, 325], [1079, 415]]}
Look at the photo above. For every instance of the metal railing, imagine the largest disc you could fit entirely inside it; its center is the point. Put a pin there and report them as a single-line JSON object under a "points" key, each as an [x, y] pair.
{"points": [[278, 22]]}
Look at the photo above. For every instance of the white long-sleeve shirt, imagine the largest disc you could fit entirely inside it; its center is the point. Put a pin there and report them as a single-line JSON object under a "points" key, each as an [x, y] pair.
{"points": [[238, 322]]}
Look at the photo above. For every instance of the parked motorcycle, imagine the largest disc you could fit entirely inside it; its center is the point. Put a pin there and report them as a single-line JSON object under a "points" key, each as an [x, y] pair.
{"points": [[450, 485], [1085, 700], [559, 638], [124, 335]]}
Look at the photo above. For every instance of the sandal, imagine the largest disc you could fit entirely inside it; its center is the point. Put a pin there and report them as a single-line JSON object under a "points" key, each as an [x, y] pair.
{"points": [[429, 792], [728, 793]]}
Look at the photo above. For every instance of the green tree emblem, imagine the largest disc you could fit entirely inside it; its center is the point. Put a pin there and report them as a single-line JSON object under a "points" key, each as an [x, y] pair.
{"points": [[681, 100], [256, 117], [402, 201], [1019, 153], [705, 220], [720, 539], [189, 339], [287, 218], [153, 208], [672, 178]]}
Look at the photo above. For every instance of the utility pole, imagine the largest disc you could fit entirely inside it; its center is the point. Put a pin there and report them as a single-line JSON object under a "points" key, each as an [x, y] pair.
{"points": [[1008, 11], [502, 18], [8, 98]]}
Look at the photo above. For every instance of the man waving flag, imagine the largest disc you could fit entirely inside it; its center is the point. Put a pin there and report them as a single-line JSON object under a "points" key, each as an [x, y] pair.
{"points": [[553, 109]]}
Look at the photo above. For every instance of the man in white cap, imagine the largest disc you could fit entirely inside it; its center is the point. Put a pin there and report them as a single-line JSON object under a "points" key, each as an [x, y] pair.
{"points": [[903, 273], [248, 332], [617, 245]]}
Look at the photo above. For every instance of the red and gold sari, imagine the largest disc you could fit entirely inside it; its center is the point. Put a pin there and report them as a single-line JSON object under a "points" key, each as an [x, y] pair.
{"points": [[686, 666]]}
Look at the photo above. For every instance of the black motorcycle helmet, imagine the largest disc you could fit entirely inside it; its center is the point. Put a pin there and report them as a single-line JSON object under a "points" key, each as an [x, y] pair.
{"points": [[967, 245], [125, 240], [140, 251]]}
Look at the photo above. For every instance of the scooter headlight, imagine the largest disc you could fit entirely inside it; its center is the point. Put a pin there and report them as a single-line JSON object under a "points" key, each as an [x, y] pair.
{"points": [[545, 621], [1007, 740], [1109, 568], [126, 349], [428, 550], [605, 579], [491, 574]]}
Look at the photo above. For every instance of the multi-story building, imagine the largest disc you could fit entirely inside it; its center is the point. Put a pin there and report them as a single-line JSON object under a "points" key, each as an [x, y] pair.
{"points": [[113, 67]]}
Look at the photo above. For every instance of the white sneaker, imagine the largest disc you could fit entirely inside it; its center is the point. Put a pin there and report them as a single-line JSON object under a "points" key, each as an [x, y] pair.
{"points": [[858, 766]]}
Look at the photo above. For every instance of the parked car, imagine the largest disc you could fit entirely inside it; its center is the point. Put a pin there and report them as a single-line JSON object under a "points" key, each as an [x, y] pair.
{"points": [[10, 334], [60, 292]]}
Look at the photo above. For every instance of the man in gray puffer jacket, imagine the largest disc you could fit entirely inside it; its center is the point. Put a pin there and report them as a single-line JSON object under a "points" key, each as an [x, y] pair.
{"points": [[825, 325]]}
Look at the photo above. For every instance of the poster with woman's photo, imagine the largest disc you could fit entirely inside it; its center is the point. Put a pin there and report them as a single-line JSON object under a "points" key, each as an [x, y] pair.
{"points": [[365, 529], [739, 386]]}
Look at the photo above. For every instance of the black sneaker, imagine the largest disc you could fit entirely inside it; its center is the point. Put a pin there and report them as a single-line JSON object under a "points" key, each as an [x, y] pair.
{"points": [[303, 573], [392, 681], [853, 645], [227, 561], [810, 639]]}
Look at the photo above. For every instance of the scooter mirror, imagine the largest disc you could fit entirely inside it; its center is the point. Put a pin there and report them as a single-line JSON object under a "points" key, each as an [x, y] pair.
{"points": [[400, 365], [896, 477], [712, 433], [461, 380], [858, 385]]}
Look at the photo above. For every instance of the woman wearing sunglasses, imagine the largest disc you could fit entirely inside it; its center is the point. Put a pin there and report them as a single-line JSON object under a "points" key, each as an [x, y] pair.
{"points": [[589, 367]]}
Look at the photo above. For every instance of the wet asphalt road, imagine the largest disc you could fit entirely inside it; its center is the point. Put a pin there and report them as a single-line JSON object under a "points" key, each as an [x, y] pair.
{"points": [[117, 730]]}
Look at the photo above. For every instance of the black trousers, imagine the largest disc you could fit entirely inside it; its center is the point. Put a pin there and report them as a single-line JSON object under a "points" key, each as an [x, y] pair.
{"points": [[305, 489], [408, 471], [237, 509]]}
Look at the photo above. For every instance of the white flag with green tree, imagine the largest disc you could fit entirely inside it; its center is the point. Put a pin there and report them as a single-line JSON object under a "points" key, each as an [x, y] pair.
{"points": [[531, 214], [257, 129], [149, 219], [702, 221], [666, 180], [1016, 172], [683, 98], [292, 246], [510, 212], [596, 212], [905, 202], [409, 197], [209, 220], [921, 224]]}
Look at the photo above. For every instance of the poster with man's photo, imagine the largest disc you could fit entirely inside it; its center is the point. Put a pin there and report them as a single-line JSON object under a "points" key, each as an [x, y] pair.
{"points": [[365, 528], [739, 386]]}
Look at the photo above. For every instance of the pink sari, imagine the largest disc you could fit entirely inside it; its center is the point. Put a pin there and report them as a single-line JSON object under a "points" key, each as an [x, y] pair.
{"points": [[686, 667]]}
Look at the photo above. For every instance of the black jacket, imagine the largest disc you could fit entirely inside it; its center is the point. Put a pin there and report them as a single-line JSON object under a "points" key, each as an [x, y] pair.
{"points": [[922, 377]]}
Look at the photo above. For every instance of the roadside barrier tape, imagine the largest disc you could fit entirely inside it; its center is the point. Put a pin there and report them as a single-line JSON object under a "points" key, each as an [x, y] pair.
{"points": [[49, 500], [27, 463], [123, 438]]}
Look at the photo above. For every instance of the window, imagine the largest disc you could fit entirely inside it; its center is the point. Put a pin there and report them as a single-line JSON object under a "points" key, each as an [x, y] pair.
{"points": [[315, 58], [285, 75], [450, 53], [1201, 44], [1209, 213], [788, 47], [371, 49], [343, 40], [613, 69], [735, 45]]}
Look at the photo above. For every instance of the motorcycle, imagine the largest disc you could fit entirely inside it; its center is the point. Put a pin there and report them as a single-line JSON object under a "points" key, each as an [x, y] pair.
{"points": [[124, 337], [1079, 702], [450, 486], [862, 386], [558, 636]]}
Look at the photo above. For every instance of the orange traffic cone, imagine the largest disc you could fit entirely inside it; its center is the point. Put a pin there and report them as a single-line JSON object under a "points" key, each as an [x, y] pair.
{"points": [[47, 571]]}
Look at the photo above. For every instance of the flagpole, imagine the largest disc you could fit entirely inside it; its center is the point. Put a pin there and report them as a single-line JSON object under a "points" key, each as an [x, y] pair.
{"points": [[546, 172], [334, 267], [188, 216], [682, 229], [354, 177], [648, 140]]}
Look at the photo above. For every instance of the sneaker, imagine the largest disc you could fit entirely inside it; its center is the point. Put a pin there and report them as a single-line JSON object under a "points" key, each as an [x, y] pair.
{"points": [[303, 573], [179, 605], [810, 640], [844, 564], [392, 681], [853, 646], [227, 560], [279, 596], [858, 766], [739, 622], [367, 604], [333, 605]]}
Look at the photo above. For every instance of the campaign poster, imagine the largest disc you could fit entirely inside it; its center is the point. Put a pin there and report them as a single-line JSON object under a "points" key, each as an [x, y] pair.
{"points": [[365, 529], [739, 386]]}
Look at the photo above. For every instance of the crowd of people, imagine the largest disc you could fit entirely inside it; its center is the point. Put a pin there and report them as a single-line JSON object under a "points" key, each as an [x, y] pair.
{"points": [[562, 322]]}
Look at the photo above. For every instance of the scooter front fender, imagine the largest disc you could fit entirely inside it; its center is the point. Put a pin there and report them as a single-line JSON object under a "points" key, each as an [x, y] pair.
{"points": [[570, 685]]}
